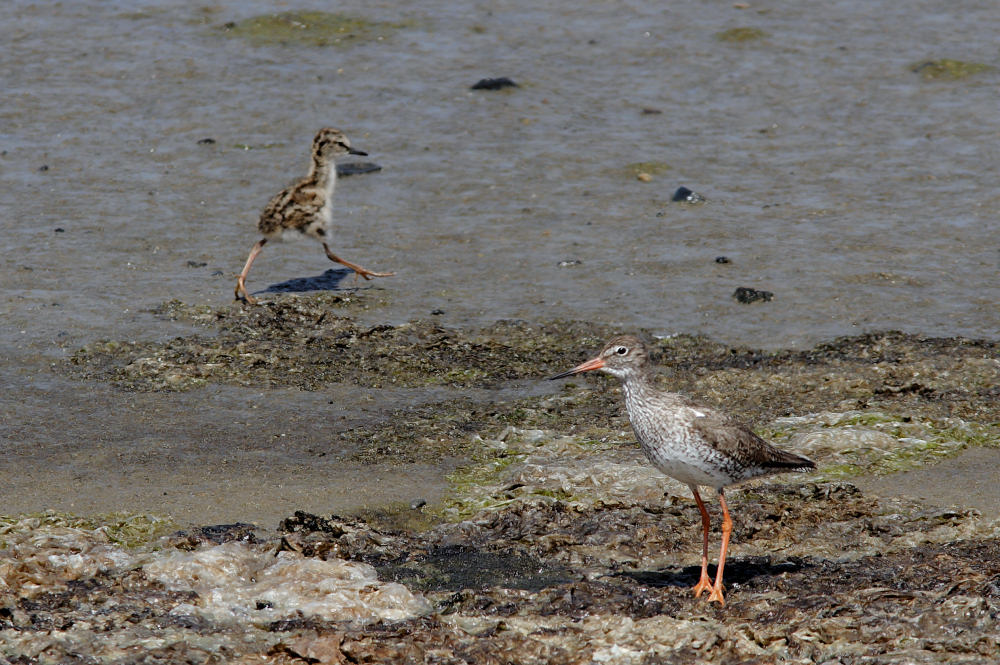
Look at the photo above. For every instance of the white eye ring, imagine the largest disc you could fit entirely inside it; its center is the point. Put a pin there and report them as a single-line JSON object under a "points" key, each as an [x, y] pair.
{"points": [[621, 350]]}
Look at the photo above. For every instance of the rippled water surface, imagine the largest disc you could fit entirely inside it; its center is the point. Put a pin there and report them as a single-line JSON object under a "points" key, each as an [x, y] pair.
{"points": [[862, 195]]}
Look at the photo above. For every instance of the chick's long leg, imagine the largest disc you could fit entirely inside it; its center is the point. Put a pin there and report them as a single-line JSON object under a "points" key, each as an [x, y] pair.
{"points": [[358, 270], [241, 283]]}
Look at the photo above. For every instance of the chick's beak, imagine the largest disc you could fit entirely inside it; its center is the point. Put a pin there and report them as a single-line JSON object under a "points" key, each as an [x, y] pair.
{"points": [[593, 363], [357, 152]]}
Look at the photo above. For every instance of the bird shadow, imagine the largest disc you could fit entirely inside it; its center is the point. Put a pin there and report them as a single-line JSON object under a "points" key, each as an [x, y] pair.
{"points": [[738, 571], [330, 280]]}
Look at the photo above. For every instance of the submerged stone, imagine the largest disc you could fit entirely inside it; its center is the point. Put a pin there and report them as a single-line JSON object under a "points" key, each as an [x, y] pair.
{"points": [[494, 84], [685, 195], [747, 295]]}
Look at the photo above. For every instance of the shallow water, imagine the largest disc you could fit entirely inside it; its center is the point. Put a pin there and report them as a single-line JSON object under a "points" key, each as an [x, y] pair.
{"points": [[860, 194]]}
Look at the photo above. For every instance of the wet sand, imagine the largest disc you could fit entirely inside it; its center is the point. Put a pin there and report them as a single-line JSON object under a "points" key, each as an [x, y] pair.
{"points": [[968, 480]]}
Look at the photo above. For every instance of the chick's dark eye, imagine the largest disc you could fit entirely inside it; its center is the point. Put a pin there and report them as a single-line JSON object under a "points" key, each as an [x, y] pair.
{"points": [[621, 350]]}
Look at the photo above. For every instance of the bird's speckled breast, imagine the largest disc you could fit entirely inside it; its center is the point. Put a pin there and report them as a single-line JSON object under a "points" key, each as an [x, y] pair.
{"points": [[673, 447]]}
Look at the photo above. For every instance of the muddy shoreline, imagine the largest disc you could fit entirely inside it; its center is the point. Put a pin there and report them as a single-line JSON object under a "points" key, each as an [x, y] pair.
{"points": [[551, 540]]}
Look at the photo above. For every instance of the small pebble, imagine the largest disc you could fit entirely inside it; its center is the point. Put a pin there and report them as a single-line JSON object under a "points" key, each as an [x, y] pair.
{"points": [[747, 295], [722, 259], [570, 262], [196, 264], [494, 84], [206, 141], [643, 176], [43, 167], [437, 312], [218, 273], [417, 504], [60, 230], [649, 111], [685, 195]]}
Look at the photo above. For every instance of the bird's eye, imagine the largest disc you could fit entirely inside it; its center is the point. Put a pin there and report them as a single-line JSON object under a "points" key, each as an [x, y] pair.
{"points": [[621, 350]]}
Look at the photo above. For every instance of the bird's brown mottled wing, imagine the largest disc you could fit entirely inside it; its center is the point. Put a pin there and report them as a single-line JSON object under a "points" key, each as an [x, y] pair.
{"points": [[292, 208], [735, 439]]}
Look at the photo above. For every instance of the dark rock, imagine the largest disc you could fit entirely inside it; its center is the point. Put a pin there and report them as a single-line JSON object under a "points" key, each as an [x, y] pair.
{"points": [[43, 168], [685, 195], [437, 312], [59, 230], [722, 259], [206, 141], [196, 264], [747, 295], [494, 84]]}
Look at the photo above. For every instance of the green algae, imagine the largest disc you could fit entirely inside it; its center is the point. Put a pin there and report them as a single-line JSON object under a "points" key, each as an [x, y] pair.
{"points": [[309, 28], [123, 529], [925, 397], [912, 443], [307, 343], [946, 69], [397, 516], [649, 168], [740, 35]]}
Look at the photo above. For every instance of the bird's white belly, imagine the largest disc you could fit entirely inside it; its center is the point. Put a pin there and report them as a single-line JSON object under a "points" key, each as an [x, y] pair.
{"points": [[688, 465]]}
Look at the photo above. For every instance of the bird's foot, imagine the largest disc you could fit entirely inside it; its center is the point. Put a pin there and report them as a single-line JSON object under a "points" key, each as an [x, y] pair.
{"points": [[368, 274], [241, 294], [717, 596], [704, 584]]}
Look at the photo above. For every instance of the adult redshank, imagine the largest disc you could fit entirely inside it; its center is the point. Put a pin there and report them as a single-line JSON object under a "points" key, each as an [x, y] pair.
{"points": [[691, 442], [306, 208]]}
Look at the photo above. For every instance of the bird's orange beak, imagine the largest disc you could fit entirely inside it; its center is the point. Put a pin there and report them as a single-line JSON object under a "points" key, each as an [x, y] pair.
{"points": [[593, 363]]}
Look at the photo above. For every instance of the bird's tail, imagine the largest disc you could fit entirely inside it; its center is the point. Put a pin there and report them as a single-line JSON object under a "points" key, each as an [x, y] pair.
{"points": [[786, 460]]}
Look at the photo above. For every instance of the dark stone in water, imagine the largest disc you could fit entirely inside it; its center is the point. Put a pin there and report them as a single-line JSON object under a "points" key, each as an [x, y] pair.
{"points": [[437, 312], [206, 141], [494, 84], [357, 168], [196, 264], [59, 230], [747, 295], [722, 259], [685, 195]]}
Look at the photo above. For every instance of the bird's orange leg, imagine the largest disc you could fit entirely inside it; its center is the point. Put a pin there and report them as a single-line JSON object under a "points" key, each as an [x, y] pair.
{"points": [[705, 582], [241, 283], [358, 270], [727, 528]]}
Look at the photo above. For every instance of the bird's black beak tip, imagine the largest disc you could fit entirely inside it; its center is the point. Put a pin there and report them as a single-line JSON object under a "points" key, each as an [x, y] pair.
{"points": [[357, 152]]}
